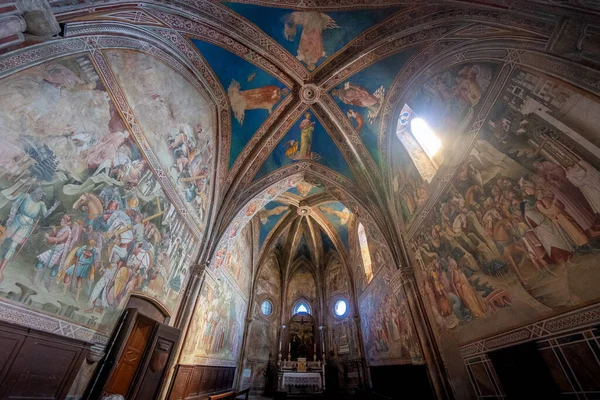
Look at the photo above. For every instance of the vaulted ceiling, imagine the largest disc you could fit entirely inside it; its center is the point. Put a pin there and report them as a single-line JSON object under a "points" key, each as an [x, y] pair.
{"points": [[305, 96]]}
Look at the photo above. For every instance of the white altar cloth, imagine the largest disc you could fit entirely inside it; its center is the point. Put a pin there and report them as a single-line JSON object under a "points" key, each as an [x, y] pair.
{"points": [[312, 379]]}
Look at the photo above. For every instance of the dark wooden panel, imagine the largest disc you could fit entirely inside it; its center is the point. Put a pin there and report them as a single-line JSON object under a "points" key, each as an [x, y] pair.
{"points": [[11, 341], [36, 364], [160, 357], [413, 379], [199, 381], [183, 373]]}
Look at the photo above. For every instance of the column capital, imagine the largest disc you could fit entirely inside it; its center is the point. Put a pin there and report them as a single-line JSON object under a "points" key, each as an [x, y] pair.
{"points": [[199, 268]]}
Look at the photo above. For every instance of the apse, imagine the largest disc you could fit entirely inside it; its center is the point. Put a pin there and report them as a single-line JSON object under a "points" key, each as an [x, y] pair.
{"points": [[334, 199]]}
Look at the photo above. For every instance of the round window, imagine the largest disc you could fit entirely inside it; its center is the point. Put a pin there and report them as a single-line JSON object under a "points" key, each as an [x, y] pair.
{"points": [[266, 308], [340, 308]]}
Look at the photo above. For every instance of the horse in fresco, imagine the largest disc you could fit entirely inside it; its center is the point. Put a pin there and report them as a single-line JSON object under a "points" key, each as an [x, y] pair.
{"points": [[91, 203]]}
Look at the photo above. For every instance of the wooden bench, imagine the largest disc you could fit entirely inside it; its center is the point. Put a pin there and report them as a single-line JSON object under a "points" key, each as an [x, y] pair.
{"points": [[245, 392], [223, 396]]}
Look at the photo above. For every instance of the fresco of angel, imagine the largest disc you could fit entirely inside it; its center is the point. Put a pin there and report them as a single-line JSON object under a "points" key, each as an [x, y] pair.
{"points": [[311, 48], [358, 96]]}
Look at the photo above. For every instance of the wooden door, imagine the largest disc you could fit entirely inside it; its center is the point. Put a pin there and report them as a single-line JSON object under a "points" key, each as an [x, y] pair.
{"points": [[131, 357], [159, 356]]}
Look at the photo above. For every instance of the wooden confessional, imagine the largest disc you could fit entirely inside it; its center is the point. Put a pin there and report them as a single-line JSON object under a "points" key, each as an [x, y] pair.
{"points": [[138, 355]]}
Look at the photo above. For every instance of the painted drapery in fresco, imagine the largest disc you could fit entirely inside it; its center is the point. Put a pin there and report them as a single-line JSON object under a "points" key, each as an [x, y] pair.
{"points": [[515, 238], [215, 332], [84, 221], [386, 324]]}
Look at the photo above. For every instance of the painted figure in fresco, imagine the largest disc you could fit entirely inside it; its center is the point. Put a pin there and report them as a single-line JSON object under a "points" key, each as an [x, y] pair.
{"points": [[26, 211], [343, 215], [310, 48], [264, 214], [587, 179], [360, 121], [61, 242], [553, 177], [98, 300], [307, 128], [81, 268], [555, 244], [358, 96], [451, 97], [304, 188], [253, 99], [191, 151]]}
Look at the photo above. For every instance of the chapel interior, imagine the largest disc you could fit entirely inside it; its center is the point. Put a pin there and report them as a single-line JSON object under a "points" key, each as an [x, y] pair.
{"points": [[300, 199]]}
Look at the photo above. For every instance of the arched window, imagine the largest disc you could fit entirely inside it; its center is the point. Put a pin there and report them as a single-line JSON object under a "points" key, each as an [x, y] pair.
{"points": [[302, 307], [420, 142], [364, 251]]}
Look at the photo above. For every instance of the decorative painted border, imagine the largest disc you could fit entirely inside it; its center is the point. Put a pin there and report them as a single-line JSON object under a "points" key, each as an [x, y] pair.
{"points": [[37, 320], [578, 319]]}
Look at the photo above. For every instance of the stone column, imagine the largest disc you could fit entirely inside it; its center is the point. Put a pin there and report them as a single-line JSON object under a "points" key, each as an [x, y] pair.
{"points": [[361, 351], [244, 350], [321, 330], [184, 317], [426, 335], [281, 336]]}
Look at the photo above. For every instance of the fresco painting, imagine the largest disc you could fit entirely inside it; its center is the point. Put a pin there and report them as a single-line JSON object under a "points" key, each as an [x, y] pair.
{"points": [[339, 216], [216, 329], [269, 281], [253, 94], [310, 36], [336, 281], [303, 249], [307, 140], [449, 100], [386, 324], [84, 221], [269, 216], [262, 343], [301, 285], [304, 189], [177, 121], [237, 259], [327, 242], [362, 96], [516, 237]]}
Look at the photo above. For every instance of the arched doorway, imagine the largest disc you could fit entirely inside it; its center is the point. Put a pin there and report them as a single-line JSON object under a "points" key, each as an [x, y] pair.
{"points": [[139, 353]]}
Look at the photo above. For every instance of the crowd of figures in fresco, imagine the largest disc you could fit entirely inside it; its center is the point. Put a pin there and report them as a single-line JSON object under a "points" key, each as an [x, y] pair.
{"points": [[217, 325], [522, 211], [84, 221], [388, 333], [181, 132]]}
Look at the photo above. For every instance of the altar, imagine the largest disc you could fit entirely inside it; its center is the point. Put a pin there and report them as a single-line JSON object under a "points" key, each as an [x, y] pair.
{"points": [[302, 382]]}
